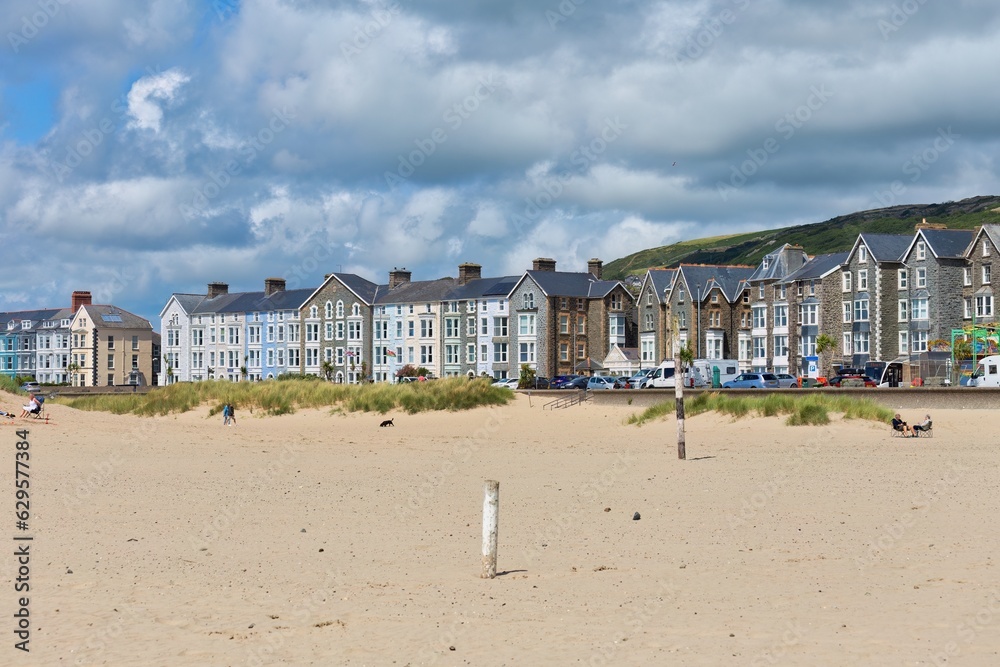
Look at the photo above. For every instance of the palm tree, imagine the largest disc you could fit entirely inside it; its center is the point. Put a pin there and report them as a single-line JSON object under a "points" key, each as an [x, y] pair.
{"points": [[328, 369], [824, 343]]}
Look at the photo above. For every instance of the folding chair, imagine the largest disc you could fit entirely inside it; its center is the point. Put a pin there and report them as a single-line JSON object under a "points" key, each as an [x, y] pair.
{"points": [[924, 431], [896, 432]]}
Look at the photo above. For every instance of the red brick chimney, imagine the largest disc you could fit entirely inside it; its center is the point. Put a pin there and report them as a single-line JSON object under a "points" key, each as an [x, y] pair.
{"points": [[543, 264], [80, 298]]}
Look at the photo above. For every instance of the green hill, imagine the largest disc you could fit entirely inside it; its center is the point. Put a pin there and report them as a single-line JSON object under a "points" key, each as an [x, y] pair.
{"points": [[834, 235]]}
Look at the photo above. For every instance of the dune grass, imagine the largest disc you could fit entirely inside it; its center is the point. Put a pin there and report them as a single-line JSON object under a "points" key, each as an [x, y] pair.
{"points": [[802, 409], [284, 397]]}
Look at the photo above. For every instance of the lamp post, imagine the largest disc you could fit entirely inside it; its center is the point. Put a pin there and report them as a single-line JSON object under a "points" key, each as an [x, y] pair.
{"points": [[698, 289]]}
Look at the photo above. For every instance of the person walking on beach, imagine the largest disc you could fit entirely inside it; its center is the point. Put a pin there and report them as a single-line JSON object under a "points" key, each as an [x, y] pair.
{"points": [[232, 414], [225, 414]]}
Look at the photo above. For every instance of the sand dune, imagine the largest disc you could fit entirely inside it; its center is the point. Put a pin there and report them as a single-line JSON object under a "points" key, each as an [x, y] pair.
{"points": [[314, 539]]}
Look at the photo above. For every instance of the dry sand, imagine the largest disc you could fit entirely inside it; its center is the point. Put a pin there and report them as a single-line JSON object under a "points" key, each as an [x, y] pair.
{"points": [[318, 539]]}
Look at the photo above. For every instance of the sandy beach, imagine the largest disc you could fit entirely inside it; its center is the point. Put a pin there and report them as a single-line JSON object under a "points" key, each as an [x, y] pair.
{"points": [[320, 539]]}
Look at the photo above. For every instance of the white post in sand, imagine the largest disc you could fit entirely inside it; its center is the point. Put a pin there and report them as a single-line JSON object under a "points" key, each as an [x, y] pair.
{"points": [[491, 512]]}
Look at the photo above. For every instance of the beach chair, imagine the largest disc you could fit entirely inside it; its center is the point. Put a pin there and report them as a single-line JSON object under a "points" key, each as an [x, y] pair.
{"points": [[896, 432], [37, 414], [924, 431]]}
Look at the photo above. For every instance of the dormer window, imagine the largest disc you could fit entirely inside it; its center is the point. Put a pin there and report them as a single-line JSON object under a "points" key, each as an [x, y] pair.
{"points": [[25, 324], [767, 262]]}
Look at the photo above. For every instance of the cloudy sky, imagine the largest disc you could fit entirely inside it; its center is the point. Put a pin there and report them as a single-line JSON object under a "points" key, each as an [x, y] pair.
{"points": [[152, 147]]}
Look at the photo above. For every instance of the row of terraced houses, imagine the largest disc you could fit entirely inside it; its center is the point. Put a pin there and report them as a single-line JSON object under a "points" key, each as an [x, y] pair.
{"points": [[888, 298]]}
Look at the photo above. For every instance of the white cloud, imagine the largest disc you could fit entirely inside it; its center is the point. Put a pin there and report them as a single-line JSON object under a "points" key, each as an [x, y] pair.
{"points": [[145, 94]]}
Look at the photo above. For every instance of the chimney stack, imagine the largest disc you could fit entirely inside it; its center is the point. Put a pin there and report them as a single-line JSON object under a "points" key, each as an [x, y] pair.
{"points": [[272, 285], [594, 267], [398, 277], [217, 289], [543, 264], [80, 298], [468, 272]]}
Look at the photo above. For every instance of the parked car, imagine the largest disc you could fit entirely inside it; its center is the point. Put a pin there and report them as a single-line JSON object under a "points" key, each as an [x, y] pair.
{"points": [[752, 381], [31, 387], [509, 383], [600, 382], [539, 383], [576, 383], [638, 381], [849, 377], [559, 381], [786, 380], [622, 383]]}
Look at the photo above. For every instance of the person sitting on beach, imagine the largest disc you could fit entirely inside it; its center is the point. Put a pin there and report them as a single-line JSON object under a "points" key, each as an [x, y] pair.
{"points": [[924, 426], [899, 425], [33, 407]]}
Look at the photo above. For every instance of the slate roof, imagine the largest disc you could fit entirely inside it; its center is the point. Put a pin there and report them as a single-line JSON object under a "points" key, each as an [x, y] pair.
{"points": [[113, 317], [418, 291], [780, 263], [474, 289], [727, 278], [885, 247], [948, 243], [37, 317], [365, 289], [661, 280], [993, 231], [571, 284], [818, 266]]}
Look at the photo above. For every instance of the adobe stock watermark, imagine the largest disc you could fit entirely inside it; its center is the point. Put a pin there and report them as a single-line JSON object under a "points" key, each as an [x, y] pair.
{"points": [[251, 148], [586, 498], [379, 19], [786, 126], [899, 14], [708, 32], [454, 117], [792, 636], [88, 140], [32, 24], [462, 451], [636, 619], [562, 12], [768, 490], [893, 533], [917, 165], [225, 8], [970, 628], [552, 186]]}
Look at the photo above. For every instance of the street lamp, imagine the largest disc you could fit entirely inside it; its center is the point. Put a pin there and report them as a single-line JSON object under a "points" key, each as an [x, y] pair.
{"points": [[698, 288]]}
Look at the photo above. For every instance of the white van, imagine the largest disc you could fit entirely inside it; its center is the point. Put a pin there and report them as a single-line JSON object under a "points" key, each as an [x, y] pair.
{"points": [[987, 372], [699, 374]]}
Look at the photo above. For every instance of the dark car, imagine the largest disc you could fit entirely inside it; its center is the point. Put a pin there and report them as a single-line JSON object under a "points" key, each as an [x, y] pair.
{"points": [[538, 383], [559, 381], [852, 377], [576, 383]]}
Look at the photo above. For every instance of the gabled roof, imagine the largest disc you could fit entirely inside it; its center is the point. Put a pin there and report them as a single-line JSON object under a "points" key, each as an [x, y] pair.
{"points": [[727, 278], [992, 231], [884, 247], [943, 243], [419, 291], [779, 263], [818, 267], [187, 302], [570, 284], [112, 317], [659, 280]]}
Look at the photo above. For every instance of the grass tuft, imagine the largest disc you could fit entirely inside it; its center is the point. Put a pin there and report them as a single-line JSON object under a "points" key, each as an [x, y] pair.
{"points": [[284, 397], [801, 408]]}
